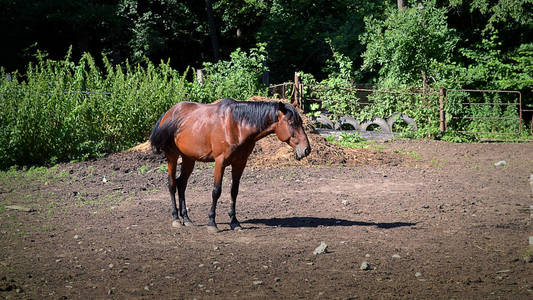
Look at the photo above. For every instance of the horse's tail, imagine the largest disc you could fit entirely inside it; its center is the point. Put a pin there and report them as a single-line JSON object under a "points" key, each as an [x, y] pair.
{"points": [[163, 135]]}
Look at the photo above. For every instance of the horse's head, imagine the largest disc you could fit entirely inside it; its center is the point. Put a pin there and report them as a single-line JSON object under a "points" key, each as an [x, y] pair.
{"points": [[289, 129]]}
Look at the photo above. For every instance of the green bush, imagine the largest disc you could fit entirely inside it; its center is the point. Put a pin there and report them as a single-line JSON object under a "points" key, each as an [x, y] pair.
{"points": [[236, 78], [65, 110], [336, 91]]}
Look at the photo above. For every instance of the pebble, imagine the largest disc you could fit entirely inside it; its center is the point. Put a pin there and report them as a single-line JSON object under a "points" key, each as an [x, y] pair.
{"points": [[418, 274], [111, 266], [76, 237], [20, 208], [146, 288], [501, 163], [503, 271], [258, 282], [396, 256], [365, 266], [321, 249]]}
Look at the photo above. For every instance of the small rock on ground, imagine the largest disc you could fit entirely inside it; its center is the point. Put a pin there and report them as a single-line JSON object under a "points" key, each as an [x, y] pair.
{"points": [[501, 163], [365, 266], [321, 249]]}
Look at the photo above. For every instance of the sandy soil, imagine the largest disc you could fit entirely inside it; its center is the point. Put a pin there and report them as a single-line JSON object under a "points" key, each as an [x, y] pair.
{"points": [[431, 219]]}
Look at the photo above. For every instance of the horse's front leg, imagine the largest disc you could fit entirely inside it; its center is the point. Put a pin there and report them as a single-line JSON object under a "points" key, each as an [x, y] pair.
{"points": [[217, 190], [236, 173], [172, 161]]}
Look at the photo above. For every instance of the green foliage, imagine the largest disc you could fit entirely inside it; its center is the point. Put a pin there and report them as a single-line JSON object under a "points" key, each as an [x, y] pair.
{"points": [[405, 48], [489, 67], [501, 11], [349, 140], [65, 110], [296, 33], [336, 90], [485, 113], [235, 78], [407, 44], [155, 26]]}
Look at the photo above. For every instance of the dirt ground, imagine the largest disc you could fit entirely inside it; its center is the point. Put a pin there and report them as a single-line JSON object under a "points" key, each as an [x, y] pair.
{"points": [[430, 219]]}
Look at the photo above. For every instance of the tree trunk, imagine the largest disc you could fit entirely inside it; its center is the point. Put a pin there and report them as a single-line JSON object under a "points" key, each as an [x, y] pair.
{"points": [[212, 29], [401, 5]]}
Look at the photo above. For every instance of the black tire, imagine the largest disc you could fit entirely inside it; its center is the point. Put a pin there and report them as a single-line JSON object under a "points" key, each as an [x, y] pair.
{"points": [[410, 121], [376, 121], [322, 119], [348, 120]]}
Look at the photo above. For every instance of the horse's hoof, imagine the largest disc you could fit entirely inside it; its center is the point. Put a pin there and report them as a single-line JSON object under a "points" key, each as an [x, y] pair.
{"points": [[212, 229], [176, 224], [236, 227], [188, 223]]}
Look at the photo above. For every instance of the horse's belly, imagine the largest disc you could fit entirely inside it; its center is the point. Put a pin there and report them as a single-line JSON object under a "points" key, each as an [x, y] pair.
{"points": [[195, 146]]}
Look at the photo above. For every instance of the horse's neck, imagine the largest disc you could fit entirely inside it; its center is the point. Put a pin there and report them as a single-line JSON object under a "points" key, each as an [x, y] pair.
{"points": [[269, 130]]}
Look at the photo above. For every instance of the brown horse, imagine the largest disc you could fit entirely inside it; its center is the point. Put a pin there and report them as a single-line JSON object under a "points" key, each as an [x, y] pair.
{"points": [[226, 133]]}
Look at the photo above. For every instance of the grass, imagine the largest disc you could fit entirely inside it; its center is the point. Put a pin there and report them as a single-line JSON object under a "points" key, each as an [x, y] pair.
{"points": [[143, 169], [349, 140], [413, 154], [435, 162], [163, 168]]}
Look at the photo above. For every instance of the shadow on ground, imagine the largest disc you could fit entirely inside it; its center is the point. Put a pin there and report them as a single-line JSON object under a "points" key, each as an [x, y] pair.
{"points": [[315, 222]]}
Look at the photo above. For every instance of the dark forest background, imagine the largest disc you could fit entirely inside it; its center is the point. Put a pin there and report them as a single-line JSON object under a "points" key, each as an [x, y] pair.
{"points": [[300, 35]]}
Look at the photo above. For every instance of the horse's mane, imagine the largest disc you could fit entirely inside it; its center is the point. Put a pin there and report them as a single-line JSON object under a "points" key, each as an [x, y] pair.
{"points": [[259, 114]]}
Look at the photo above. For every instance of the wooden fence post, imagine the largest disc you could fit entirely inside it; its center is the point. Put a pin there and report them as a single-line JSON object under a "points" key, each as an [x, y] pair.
{"points": [[296, 89], [442, 114], [200, 76]]}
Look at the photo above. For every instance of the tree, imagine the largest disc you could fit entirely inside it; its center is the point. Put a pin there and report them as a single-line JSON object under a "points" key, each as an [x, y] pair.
{"points": [[401, 5], [408, 44], [212, 29], [296, 31]]}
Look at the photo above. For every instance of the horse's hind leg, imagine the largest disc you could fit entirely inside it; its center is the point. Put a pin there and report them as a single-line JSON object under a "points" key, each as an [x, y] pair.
{"points": [[236, 173], [217, 190], [187, 167], [172, 161]]}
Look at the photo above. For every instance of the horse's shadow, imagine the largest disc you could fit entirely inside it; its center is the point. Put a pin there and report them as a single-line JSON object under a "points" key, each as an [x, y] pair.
{"points": [[315, 222]]}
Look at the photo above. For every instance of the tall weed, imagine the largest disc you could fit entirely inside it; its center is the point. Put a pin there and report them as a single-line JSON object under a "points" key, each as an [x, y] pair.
{"points": [[62, 110]]}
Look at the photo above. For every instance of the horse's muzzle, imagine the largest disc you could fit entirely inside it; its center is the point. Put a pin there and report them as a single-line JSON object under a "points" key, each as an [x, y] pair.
{"points": [[302, 152]]}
